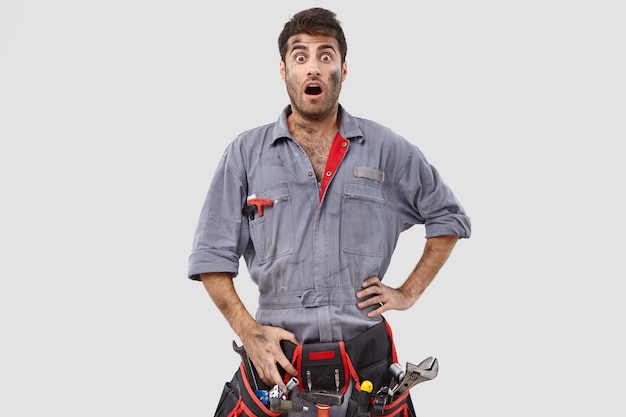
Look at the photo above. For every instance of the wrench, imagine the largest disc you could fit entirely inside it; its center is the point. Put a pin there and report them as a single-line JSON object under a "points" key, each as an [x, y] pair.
{"points": [[247, 365], [415, 374]]}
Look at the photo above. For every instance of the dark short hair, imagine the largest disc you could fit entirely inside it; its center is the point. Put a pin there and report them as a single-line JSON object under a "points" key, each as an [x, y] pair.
{"points": [[314, 21]]}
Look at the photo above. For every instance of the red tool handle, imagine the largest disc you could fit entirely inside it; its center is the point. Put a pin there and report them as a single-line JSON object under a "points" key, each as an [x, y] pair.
{"points": [[260, 203]]}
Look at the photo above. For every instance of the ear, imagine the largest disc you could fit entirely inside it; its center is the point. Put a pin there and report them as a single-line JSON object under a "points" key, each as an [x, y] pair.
{"points": [[344, 71], [282, 70]]}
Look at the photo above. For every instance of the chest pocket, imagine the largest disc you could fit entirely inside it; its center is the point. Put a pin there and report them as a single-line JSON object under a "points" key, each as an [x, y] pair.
{"points": [[363, 219], [272, 233]]}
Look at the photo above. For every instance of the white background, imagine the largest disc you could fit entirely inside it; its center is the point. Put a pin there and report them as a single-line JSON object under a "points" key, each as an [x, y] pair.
{"points": [[113, 115]]}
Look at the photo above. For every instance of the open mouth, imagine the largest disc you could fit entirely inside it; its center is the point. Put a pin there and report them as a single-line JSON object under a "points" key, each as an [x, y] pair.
{"points": [[313, 90]]}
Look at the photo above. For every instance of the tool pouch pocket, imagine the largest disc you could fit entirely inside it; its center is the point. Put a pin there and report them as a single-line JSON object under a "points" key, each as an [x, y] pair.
{"points": [[238, 400], [371, 355], [402, 407], [321, 366]]}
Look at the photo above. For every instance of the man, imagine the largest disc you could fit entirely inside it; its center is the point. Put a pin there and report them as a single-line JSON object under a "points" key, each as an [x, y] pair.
{"points": [[315, 203]]}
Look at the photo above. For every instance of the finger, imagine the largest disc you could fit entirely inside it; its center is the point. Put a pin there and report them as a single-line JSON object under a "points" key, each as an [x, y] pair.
{"points": [[276, 378], [283, 360], [270, 375], [380, 310], [376, 301], [372, 290], [287, 366], [287, 335], [265, 376], [368, 282], [363, 293]]}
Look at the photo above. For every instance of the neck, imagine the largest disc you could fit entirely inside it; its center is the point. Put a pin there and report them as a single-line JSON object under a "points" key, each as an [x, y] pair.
{"points": [[300, 123]]}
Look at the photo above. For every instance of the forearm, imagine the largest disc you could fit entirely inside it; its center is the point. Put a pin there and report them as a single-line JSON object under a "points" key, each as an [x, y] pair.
{"points": [[436, 253], [221, 289], [262, 343]]}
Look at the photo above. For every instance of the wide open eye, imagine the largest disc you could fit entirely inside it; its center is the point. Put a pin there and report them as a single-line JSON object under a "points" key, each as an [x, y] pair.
{"points": [[300, 58], [326, 58]]}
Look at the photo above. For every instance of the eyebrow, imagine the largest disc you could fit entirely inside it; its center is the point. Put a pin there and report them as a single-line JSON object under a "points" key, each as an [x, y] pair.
{"points": [[298, 46]]}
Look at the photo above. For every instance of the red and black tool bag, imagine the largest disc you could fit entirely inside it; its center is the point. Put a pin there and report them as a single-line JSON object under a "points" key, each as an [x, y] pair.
{"points": [[239, 400], [330, 365]]}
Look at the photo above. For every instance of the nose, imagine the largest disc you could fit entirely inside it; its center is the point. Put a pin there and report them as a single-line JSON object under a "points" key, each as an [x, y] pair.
{"points": [[313, 68]]}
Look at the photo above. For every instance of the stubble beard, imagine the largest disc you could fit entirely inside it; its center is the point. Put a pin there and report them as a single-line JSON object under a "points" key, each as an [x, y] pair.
{"points": [[320, 111]]}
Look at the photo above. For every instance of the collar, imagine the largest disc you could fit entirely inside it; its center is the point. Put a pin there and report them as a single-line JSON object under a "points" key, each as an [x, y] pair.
{"points": [[349, 127]]}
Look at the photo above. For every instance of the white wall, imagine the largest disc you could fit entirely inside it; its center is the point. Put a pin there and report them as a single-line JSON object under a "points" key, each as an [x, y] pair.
{"points": [[114, 114]]}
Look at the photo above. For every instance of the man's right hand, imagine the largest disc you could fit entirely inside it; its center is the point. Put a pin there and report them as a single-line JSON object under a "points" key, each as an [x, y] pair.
{"points": [[262, 343]]}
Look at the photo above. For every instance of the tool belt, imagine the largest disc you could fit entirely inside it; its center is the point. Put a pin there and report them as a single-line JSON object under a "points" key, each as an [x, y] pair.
{"points": [[326, 367]]}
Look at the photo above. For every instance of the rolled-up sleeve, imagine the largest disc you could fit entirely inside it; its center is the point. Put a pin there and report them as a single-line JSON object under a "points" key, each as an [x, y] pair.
{"points": [[431, 202], [221, 235]]}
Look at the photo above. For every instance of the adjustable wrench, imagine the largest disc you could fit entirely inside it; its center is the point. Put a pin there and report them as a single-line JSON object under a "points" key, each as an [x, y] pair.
{"points": [[404, 381], [415, 374]]}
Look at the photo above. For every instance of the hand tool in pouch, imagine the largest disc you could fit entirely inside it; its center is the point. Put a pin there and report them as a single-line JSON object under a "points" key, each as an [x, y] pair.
{"points": [[365, 397]]}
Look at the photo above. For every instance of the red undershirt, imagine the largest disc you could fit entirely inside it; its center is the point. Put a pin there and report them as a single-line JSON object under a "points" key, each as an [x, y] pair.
{"points": [[337, 150]]}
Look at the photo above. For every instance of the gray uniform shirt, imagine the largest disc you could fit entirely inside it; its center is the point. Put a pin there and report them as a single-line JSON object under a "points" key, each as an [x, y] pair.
{"points": [[308, 255]]}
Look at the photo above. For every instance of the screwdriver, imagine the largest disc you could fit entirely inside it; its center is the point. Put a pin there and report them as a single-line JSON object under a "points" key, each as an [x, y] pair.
{"points": [[364, 398]]}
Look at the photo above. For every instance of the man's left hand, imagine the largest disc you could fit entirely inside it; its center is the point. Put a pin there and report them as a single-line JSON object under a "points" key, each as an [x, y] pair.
{"points": [[380, 294]]}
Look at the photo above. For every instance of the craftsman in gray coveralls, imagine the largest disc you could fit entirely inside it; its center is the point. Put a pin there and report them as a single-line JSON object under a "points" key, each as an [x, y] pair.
{"points": [[315, 203]]}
